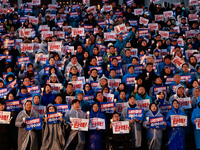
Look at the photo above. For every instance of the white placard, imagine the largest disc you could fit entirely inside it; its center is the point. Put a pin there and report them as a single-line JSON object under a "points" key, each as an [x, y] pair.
{"points": [[178, 120], [97, 123], [120, 127], [80, 124]]}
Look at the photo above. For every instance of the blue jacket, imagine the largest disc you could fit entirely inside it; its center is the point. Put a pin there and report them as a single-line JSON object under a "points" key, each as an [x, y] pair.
{"points": [[176, 135], [127, 60], [121, 44], [196, 44], [196, 114], [96, 136], [47, 98]]}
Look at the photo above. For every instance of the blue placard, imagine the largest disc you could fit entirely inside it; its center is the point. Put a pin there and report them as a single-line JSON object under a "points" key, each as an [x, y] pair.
{"points": [[74, 15], [63, 108], [100, 61], [2, 56], [136, 112], [143, 33], [89, 98], [2, 27], [129, 2], [159, 88], [133, 22], [88, 28], [130, 81], [102, 24], [12, 84], [3, 92], [75, 6], [107, 107], [46, 70], [53, 117], [164, 108], [9, 44], [33, 123], [156, 122], [13, 105], [34, 89]]}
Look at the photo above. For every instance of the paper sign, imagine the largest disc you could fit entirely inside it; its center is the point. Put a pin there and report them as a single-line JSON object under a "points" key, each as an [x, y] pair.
{"points": [[54, 46], [36, 2], [97, 123], [164, 108], [77, 31], [120, 127], [164, 34], [110, 36], [144, 104], [80, 124], [153, 26], [56, 87], [120, 106], [138, 11], [178, 62], [27, 47], [185, 103], [120, 28], [178, 120], [159, 18], [144, 21], [43, 58], [110, 97], [198, 123], [25, 32], [46, 34], [5, 117], [33, 123], [77, 85], [40, 110], [33, 89], [114, 83], [168, 14]]}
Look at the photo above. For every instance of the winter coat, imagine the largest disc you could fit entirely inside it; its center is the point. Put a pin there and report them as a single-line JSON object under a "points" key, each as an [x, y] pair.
{"points": [[136, 129], [154, 136], [47, 98], [23, 135], [81, 134], [177, 134]]}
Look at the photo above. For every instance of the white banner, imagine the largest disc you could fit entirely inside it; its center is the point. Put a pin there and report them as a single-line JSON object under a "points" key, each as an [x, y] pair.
{"points": [[120, 127], [5, 117], [77, 31], [178, 120], [144, 104], [27, 47], [79, 124], [185, 103], [97, 123]]}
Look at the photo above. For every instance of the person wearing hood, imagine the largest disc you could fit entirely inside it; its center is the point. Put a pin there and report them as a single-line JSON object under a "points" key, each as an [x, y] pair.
{"points": [[95, 136], [175, 83], [154, 135], [141, 94], [157, 82], [37, 100], [53, 78], [180, 93], [130, 74], [136, 129], [84, 105], [161, 98], [195, 97], [176, 135], [103, 81], [10, 78], [76, 139], [149, 75], [195, 116], [53, 134], [26, 139], [47, 97], [120, 43]]}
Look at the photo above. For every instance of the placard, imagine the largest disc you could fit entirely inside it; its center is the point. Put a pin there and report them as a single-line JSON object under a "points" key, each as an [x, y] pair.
{"points": [[69, 99], [133, 113], [33, 123], [164, 108], [40, 110], [63, 108], [144, 104], [110, 36], [80, 124], [185, 103], [178, 120], [168, 14], [77, 31], [25, 33], [55, 46], [156, 122], [13, 105], [54, 117], [198, 123], [114, 83], [77, 85], [110, 97], [120, 28], [138, 11], [144, 21], [97, 123], [120, 127], [107, 107], [5, 117], [120, 106], [27, 47]]}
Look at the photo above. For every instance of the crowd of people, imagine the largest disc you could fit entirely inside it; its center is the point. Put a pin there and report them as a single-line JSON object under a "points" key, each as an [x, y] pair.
{"points": [[126, 64]]}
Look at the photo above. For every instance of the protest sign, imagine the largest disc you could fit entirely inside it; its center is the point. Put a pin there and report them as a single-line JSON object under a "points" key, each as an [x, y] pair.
{"points": [[120, 127], [80, 124], [97, 123], [33, 123]]}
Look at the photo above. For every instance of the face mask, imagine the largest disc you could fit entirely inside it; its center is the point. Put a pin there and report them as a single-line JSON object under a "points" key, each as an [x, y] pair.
{"points": [[99, 42]]}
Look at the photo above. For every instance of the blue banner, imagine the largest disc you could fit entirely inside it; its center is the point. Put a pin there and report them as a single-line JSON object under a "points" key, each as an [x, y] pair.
{"points": [[63, 108], [33, 89], [99, 68], [3, 92], [102, 24], [156, 122], [33, 123], [129, 2], [89, 98], [107, 107], [133, 22], [54, 117], [13, 105], [2, 56], [133, 113], [88, 28], [143, 33]]}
